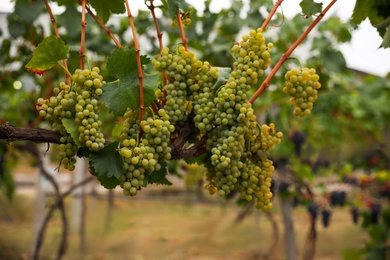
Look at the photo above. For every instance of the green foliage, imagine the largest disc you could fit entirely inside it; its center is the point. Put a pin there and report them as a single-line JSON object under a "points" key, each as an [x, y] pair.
{"points": [[47, 54], [107, 163], [71, 128], [158, 177], [124, 92], [309, 7], [172, 7], [105, 9], [378, 12]]}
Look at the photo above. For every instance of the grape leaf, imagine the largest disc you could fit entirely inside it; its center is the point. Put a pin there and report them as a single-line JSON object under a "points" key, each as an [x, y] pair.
{"points": [[105, 8], [66, 2], [172, 7], [124, 92], [71, 128], [117, 130], [107, 162], [29, 10], [200, 160], [223, 77], [386, 38], [108, 182], [47, 54], [309, 7], [158, 177]]}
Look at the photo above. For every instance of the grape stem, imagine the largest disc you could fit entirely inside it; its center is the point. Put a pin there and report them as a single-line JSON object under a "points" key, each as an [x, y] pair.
{"points": [[55, 28], [287, 54], [108, 31], [160, 44], [83, 26], [271, 14], [139, 65], [181, 28]]}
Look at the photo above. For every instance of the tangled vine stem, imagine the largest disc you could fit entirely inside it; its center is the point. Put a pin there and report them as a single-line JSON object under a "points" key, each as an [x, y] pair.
{"points": [[287, 54], [271, 14]]}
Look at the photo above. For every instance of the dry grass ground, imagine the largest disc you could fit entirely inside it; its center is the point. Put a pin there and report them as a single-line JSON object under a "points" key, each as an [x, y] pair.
{"points": [[172, 229]]}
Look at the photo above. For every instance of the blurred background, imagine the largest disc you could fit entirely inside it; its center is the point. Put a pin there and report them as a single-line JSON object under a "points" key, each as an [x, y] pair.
{"points": [[332, 180]]}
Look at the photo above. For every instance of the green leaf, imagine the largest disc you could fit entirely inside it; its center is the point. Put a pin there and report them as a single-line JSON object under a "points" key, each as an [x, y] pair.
{"points": [[223, 76], [117, 130], [16, 26], [47, 54], [124, 92], [72, 129], [158, 177], [386, 38], [108, 182], [66, 2], [200, 160], [28, 10], [107, 162], [72, 24], [172, 7], [105, 8], [309, 7]]}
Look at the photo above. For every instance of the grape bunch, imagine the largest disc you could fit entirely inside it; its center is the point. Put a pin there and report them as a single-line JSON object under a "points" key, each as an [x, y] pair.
{"points": [[80, 104], [302, 86], [88, 87], [189, 80], [144, 147], [237, 144]]}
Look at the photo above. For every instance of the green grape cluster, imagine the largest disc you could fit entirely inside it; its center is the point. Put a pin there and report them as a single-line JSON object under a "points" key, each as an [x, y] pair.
{"points": [[144, 147], [302, 86], [80, 103], [238, 146], [87, 85], [189, 80], [178, 70], [236, 137]]}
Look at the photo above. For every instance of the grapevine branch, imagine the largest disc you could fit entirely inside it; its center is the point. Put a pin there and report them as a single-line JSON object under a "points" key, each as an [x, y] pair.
{"points": [[83, 26], [271, 14], [108, 31], [160, 44], [9, 132], [181, 28], [55, 28], [287, 54], [139, 65]]}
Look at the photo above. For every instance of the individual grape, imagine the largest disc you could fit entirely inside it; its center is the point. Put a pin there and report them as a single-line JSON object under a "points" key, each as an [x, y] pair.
{"points": [[302, 86]]}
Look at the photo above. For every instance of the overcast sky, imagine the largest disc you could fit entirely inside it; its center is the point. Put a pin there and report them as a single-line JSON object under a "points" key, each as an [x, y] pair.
{"points": [[362, 53]]}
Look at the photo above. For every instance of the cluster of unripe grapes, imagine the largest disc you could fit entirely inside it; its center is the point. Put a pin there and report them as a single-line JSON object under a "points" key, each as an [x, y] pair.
{"points": [[238, 146], [80, 103], [302, 86], [144, 147]]}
